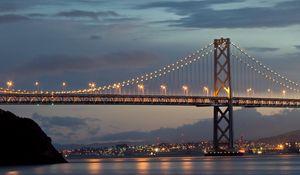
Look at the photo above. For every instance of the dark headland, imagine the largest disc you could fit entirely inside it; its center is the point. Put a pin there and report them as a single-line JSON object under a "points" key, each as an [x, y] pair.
{"points": [[22, 142]]}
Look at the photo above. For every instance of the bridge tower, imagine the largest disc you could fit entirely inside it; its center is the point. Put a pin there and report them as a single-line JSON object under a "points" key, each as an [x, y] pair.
{"points": [[223, 121]]}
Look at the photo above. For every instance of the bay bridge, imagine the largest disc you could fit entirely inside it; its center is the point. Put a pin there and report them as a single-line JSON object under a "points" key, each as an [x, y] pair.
{"points": [[221, 75]]}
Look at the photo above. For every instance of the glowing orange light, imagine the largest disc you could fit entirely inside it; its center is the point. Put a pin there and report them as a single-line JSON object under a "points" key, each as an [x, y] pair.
{"points": [[185, 88], [280, 147], [141, 86], [163, 87], [9, 84], [284, 92], [92, 85]]}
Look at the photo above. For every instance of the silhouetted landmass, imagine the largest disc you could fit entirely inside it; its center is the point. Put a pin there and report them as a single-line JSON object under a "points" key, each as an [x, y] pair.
{"points": [[293, 136], [22, 142]]}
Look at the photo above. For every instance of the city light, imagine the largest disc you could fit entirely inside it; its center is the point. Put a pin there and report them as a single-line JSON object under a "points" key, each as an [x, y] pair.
{"points": [[280, 147]]}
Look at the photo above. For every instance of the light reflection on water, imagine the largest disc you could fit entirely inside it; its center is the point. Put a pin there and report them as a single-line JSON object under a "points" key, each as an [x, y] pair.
{"points": [[12, 173], [167, 165], [187, 167], [66, 168], [142, 167], [94, 168]]}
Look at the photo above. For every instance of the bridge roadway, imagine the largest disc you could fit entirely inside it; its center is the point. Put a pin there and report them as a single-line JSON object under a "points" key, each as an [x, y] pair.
{"points": [[115, 99]]}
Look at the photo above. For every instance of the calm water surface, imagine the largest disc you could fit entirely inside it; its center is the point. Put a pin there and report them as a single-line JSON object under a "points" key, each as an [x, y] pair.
{"points": [[260, 165]]}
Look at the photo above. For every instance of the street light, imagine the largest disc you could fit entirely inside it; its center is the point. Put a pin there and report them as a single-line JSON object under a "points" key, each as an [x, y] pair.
{"points": [[92, 85], [64, 84], [284, 93], [117, 87], [249, 90], [9, 84], [37, 85], [185, 89], [163, 89], [205, 90], [141, 88]]}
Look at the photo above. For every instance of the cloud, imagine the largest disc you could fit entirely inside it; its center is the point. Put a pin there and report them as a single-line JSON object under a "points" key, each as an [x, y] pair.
{"points": [[5, 7], [55, 64], [95, 37], [87, 14], [297, 46], [73, 128], [200, 14], [10, 18], [55, 121], [262, 49], [286, 64], [15, 5], [247, 122], [37, 15], [121, 20], [184, 5]]}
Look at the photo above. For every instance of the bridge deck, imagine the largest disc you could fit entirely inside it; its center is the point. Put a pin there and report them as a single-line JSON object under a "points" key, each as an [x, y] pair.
{"points": [[109, 99]]}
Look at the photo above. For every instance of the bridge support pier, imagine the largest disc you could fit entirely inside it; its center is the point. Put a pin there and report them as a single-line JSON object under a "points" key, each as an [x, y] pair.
{"points": [[223, 120], [223, 128]]}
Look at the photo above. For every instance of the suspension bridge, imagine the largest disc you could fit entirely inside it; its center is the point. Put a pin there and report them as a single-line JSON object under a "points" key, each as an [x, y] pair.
{"points": [[221, 75]]}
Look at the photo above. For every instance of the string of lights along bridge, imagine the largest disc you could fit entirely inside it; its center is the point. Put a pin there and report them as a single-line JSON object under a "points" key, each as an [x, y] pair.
{"points": [[221, 75]]}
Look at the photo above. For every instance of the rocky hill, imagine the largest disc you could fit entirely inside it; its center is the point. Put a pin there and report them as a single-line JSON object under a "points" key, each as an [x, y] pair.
{"points": [[22, 142]]}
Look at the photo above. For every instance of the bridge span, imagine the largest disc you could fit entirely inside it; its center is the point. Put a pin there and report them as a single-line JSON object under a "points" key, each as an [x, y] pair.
{"points": [[118, 99]]}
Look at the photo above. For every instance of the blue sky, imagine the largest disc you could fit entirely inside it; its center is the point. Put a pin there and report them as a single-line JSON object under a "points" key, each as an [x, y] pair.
{"points": [[79, 41]]}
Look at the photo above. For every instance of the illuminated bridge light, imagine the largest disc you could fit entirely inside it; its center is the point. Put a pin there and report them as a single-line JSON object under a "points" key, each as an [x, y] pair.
{"points": [[163, 89], [141, 88], [9, 84], [185, 89], [205, 90]]}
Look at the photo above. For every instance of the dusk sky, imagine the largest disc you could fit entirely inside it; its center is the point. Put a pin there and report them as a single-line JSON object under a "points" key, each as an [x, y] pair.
{"points": [[104, 41]]}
